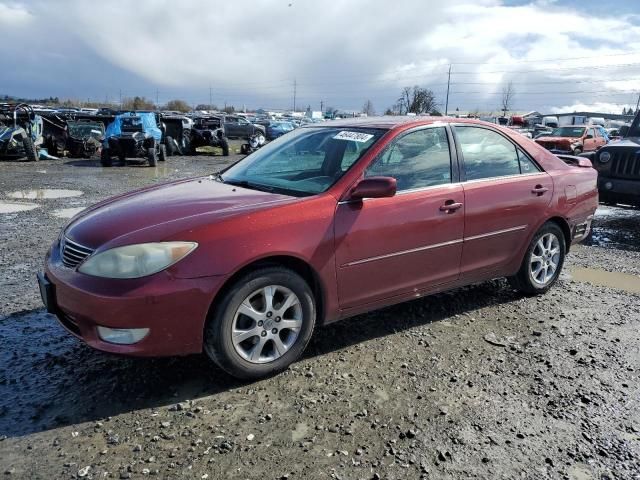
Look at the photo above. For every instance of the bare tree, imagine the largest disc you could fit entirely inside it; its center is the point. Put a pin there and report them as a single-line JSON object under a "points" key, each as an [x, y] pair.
{"points": [[416, 100], [137, 103], [368, 109], [177, 105], [508, 92]]}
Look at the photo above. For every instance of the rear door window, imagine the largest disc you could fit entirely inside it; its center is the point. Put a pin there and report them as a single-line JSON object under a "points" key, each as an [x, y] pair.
{"points": [[486, 153]]}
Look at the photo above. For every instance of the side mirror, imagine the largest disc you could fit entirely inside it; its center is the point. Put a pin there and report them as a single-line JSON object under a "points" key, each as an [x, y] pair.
{"points": [[374, 187]]}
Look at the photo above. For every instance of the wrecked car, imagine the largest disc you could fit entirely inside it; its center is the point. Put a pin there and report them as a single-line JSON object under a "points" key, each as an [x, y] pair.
{"points": [[84, 138], [573, 140], [208, 132], [177, 134], [133, 135], [20, 132]]}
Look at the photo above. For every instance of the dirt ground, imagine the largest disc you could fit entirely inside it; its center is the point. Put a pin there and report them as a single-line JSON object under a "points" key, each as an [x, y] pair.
{"points": [[476, 383]]}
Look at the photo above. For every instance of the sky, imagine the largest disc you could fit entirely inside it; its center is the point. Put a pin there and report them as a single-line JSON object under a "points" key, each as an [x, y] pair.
{"points": [[560, 55]]}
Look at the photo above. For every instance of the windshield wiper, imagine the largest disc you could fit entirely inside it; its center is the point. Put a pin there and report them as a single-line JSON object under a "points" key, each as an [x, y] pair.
{"points": [[249, 185]]}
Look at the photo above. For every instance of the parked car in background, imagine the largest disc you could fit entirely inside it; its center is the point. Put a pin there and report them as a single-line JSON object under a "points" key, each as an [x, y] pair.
{"points": [[322, 224], [614, 134], [573, 140], [239, 127], [618, 166], [278, 128]]}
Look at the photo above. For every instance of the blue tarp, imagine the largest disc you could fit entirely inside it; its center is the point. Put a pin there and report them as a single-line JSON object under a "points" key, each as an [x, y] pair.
{"points": [[148, 120]]}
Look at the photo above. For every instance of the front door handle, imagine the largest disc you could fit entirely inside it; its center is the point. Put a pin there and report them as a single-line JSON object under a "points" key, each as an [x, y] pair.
{"points": [[450, 206], [539, 190]]}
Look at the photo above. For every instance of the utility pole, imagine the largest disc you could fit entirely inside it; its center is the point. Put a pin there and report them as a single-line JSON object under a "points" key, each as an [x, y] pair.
{"points": [[321, 106], [120, 99], [446, 105], [157, 102], [295, 87], [210, 97]]}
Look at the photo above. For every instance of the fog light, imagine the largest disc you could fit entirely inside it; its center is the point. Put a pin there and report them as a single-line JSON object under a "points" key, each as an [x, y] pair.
{"points": [[608, 185], [122, 336]]}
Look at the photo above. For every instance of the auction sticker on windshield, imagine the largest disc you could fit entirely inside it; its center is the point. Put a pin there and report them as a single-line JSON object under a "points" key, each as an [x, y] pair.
{"points": [[354, 136]]}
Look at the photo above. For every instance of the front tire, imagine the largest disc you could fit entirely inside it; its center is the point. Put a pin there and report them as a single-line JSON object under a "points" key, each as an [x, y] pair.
{"points": [[543, 261], [29, 149], [262, 324]]}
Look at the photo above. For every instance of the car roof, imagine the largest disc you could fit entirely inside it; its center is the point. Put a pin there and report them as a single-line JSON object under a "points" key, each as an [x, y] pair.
{"points": [[393, 122]]}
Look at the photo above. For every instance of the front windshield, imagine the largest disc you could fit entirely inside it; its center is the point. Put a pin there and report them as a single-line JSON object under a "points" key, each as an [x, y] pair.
{"points": [[306, 161], [575, 132]]}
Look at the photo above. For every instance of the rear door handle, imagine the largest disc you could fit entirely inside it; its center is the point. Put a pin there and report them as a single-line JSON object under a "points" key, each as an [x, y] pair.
{"points": [[539, 190], [450, 206]]}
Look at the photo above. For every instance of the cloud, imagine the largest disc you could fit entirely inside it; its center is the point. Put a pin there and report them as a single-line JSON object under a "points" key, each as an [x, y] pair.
{"points": [[12, 15], [341, 52]]}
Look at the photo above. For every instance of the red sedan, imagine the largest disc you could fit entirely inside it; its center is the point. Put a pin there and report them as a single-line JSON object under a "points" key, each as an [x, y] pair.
{"points": [[324, 223]]}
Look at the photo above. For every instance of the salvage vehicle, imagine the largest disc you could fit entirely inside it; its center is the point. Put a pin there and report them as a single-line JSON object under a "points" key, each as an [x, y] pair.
{"points": [[618, 166], [20, 132], [133, 134], [177, 134], [324, 223], [208, 132], [84, 138], [573, 140]]}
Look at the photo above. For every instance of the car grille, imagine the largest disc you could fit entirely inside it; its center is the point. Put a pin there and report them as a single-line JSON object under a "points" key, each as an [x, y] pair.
{"points": [[73, 254], [625, 163]]}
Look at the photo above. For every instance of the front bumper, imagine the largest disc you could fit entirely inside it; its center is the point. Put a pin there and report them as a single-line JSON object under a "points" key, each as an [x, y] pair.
{"points": [[174, 309], [608, 185]]}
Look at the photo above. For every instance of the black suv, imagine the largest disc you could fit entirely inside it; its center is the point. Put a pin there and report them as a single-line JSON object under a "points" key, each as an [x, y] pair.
{"points": [[618, 165]]}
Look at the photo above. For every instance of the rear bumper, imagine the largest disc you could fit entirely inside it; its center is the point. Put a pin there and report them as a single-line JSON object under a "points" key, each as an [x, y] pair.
{"points": [[174, 310]]}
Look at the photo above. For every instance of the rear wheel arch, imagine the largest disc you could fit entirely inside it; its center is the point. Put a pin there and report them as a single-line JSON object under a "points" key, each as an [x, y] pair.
{"points": [[292, 263], [566, 230]]}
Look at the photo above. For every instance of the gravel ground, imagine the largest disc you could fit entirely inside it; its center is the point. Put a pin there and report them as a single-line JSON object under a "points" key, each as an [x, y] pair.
{"points": [[476, 383]]}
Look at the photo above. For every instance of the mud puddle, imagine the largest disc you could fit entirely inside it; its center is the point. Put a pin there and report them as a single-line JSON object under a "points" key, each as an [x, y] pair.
{"points": [[45, 194], [12, 207], [616, 227], [617, 280]]}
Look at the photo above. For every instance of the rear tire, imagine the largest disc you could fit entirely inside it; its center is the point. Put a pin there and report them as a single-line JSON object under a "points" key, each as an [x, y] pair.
{"points": [[29, 149], [105, 158], [542, 262], [162, 154], [275, 335], [152, 156]]}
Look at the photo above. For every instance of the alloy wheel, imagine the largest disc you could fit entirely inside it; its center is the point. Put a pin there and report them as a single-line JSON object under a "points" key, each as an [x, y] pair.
{"points": [[545, 259], [267, 324]]}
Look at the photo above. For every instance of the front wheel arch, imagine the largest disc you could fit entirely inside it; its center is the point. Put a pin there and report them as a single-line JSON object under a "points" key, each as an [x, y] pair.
{"points": [[295, 264]]}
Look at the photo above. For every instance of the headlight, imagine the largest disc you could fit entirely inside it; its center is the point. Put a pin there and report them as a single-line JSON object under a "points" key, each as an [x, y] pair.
{"points": [[604, 157], [135, 261]]}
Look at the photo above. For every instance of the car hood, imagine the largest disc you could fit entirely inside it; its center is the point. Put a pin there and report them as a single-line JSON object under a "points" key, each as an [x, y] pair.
{"points": [[170, 207], [557, 139], [633, 142]]}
